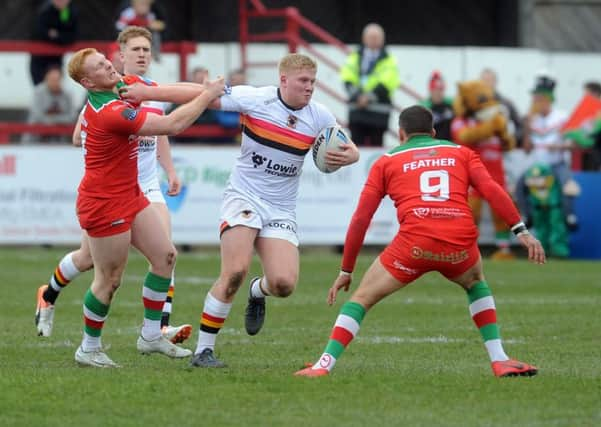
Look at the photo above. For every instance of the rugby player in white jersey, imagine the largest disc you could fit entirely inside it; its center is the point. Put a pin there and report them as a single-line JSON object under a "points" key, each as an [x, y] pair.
{"points": [[259, 205], [135, 43]]}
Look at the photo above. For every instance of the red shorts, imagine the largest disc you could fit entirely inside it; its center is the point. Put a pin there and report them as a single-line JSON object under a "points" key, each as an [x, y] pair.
{"points": [[107, 217], [409, 256]]}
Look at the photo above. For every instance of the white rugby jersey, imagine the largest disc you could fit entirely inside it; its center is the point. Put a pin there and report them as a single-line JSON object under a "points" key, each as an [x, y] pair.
{"points": [[147, 152], [275, 139], [546, 130]]}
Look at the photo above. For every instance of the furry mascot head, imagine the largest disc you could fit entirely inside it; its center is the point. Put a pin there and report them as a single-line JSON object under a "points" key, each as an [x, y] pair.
{"points": [[476, 100]]}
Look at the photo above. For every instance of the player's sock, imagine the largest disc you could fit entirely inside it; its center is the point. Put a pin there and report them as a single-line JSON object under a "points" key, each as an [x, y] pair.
{"points": [[259, 288], [167, 306], [154, 294], [484, 315], [213, 316], [63, 274], [94, 315], [345, 329]]}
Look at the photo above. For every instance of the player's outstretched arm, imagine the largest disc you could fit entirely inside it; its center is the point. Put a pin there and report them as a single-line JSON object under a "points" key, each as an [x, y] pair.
{"points": [[177, 93], [181, 118]]}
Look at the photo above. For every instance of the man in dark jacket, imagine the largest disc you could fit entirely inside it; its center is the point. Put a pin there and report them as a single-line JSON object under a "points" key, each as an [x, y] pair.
{"points": [[370, 76], [56, 22]]}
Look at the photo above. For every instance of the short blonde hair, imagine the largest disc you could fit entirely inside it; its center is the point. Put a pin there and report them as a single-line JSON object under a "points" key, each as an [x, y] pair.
{"points": [[131, 32], [76, 62], [296, 61]]}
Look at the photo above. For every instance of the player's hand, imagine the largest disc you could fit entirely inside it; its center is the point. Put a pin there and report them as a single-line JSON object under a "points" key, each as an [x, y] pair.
{"points": [[536, 253], [343, 281], [348, 155], [175, 184], [134, 93], [215, 87]]}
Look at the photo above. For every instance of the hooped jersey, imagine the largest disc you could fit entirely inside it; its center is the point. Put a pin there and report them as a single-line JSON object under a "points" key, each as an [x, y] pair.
{"points": [[428, 182], [275, 140], [108, 135]]}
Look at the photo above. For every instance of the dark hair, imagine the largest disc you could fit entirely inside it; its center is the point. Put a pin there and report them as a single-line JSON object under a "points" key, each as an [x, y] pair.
{"points": [[594, 88], [416, 119]]}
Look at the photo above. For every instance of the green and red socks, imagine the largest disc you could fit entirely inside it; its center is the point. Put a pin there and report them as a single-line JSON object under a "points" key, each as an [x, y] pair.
{"points": [[345, 329], [212, 319], [154, 294], [484, 314], [94, 316], [63, 274]]}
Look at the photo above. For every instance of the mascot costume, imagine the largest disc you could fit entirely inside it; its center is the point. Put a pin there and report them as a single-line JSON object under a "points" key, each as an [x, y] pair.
{"points": [[481, 123]]}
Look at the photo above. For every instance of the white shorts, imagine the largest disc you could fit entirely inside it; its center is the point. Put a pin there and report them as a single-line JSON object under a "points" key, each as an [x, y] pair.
{"points": [[152, 190], [239, 209]]}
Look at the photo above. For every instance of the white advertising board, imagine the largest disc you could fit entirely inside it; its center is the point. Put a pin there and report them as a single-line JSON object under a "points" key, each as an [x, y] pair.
{"points": [[38, 189]]}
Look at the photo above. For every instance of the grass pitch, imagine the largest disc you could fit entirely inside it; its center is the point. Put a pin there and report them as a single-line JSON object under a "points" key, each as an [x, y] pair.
{"points": [[418, 359]]}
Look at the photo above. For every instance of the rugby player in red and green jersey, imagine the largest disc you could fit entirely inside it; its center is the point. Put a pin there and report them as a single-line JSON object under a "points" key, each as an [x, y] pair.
{"points": [[428, 181], [111, 207]]}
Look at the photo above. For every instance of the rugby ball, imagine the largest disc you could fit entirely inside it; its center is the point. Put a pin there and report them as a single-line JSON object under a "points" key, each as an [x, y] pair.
{"points": [[330, 138]]}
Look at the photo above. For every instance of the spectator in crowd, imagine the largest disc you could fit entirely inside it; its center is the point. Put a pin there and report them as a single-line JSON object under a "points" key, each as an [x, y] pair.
{"points": [[143, 13], [489, 77], [370, 76], [544, 140], [56, 22], [51, 105], [440, 105]]}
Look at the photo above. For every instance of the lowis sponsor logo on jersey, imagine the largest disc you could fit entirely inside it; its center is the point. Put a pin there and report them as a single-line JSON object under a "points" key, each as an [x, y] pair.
{"points": [[8, 165], [272, 167], [146, 143]]}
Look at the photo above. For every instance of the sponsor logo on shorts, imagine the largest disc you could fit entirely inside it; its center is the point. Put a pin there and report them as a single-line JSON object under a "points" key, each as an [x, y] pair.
{"points": [[399, 266], [118, 222], [282, 226], [246, 214], [448, 257]]}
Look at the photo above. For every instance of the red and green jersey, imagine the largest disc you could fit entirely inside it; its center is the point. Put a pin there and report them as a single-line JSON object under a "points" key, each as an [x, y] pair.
{"points": [[428, 182], [108, 133]]}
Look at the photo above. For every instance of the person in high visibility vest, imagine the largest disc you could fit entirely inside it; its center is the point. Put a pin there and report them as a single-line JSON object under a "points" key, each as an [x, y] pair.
{"points": [[370, 76]]}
